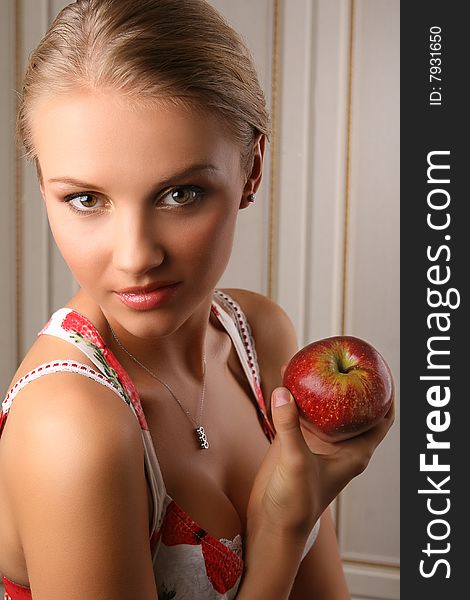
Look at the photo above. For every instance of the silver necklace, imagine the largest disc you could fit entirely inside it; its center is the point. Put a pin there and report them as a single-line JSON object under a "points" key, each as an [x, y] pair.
{"points": [[199, 429]]}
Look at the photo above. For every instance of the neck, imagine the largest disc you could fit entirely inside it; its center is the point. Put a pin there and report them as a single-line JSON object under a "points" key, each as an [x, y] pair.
{"points": [[180, 353]]}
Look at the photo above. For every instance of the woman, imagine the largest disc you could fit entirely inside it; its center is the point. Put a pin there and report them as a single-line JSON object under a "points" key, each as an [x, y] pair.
{"points": [[160, 456]]}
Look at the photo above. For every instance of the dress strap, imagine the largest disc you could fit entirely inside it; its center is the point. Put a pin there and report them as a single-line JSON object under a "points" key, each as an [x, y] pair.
{"points": [[234, 320], [73, 327], [57, 366]]}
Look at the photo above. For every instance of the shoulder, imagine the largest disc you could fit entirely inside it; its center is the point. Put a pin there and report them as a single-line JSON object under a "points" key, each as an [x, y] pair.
{"points": [[263, 314], [273, 332], [65, 431], [73, 470], [51, 347]]}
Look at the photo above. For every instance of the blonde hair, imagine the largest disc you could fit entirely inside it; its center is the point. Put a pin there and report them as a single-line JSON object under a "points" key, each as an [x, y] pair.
{"points": [[181, 51]]}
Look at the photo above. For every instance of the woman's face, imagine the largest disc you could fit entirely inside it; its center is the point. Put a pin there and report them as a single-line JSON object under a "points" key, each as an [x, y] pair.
{"points": [[139, 196]]}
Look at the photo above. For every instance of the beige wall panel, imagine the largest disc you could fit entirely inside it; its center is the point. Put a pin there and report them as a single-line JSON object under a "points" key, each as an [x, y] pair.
{"points": [[34, 273], [312, 193], [369, 517], [248, 265], [8, 336], [55, 6], [295, 154], [373, 583], [328, 167], [46, 283], [312, 164]]}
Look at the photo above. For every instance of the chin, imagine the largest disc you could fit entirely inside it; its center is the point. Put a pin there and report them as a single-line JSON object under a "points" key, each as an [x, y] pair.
{"points": [[163, 321]]}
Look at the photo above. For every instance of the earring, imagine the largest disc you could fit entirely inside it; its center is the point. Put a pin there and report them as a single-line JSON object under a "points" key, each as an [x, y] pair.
{"points": [[251, 198]]}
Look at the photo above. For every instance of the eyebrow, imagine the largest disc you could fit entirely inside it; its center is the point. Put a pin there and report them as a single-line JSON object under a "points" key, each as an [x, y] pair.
{"points": [[191, 170]]}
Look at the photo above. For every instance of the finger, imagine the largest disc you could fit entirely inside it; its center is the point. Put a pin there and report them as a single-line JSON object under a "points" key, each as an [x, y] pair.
{"points": [[390, 414], [353, 455], [283, 370], [286, 422]]}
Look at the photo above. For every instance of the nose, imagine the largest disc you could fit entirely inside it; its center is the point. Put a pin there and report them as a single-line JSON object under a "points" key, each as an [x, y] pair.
{"points": [[136, 244]]}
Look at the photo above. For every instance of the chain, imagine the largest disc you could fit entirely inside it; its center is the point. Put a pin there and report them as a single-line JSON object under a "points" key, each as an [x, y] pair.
{"points": [[197, 423]]}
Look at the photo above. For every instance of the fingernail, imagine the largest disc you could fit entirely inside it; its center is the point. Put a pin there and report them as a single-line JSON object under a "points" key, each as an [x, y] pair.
{"points": [[281, 397]]}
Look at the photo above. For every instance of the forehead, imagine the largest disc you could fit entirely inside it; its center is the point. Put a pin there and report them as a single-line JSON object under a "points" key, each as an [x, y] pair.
{"points": [[105, 132]]}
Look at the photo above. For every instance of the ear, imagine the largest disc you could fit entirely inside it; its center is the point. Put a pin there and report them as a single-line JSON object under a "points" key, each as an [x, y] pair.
{"points": [[254, 178]]}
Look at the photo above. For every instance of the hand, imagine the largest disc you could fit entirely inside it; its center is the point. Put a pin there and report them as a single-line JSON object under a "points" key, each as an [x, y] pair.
{"points": [[301, 475]]}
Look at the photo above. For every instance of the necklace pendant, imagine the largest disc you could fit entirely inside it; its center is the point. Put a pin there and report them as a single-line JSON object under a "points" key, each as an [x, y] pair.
{"points": [[202, 438]]}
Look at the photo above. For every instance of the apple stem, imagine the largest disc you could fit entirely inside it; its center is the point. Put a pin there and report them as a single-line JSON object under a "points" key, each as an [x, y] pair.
{"points": [[348, 369]]}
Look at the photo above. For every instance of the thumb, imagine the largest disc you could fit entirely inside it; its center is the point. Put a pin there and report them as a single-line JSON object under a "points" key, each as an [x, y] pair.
{"points": [[286, 419]]}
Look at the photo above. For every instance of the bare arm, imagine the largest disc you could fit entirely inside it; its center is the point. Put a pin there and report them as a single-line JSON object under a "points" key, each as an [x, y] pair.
{"points": [[280, 574], [321, 575], [79, 491]]}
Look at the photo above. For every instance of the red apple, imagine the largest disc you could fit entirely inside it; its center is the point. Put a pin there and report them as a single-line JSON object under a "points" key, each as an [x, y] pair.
{"points": [[342, 386]]}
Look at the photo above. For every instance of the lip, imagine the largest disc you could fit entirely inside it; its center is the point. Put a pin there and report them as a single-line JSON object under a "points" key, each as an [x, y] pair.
{"points": [[147, 297], [145, 289]]}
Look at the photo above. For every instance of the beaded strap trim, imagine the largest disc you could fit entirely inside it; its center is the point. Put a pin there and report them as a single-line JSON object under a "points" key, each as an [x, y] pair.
{"points": [[244, 330], [240, 327], [58, 366]]}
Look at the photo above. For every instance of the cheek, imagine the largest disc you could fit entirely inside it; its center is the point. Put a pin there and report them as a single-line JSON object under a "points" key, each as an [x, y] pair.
{"points": [[82, 252], [211, 242]]}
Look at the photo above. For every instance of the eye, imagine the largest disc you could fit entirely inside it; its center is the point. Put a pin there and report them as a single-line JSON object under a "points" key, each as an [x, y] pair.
{"points": [[181, 196], [83, 202]]}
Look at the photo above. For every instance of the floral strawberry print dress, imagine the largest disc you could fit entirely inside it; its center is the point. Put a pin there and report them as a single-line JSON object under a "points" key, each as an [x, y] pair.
{"points": [[189, 563]]}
